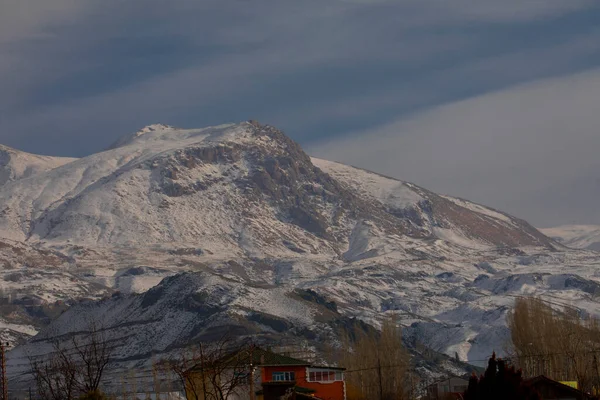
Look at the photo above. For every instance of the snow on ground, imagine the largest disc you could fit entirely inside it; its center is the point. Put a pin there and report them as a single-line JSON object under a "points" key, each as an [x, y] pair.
{"points": [[25, 329], [388, 191], [576, 236], [454, 236]]}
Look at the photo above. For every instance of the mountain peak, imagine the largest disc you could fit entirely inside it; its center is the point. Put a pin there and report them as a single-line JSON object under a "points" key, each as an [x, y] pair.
{"points": [[155, 133], [152, 128], [130, 138]]}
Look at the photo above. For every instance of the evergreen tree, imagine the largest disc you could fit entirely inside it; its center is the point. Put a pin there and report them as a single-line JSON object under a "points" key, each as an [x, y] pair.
{"points": [[499, 382]]}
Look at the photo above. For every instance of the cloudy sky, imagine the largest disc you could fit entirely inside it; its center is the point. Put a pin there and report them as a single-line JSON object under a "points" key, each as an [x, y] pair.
{"points": [[494, 101]]}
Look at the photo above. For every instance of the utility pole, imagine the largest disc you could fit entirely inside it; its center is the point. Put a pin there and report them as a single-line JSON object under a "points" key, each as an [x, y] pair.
{"points": [[380, 378], [3, 379], [597, 373], [252, 391], [252, 369]]}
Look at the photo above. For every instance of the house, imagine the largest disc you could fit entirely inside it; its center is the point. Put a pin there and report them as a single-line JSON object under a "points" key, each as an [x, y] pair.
{"points": [[553, 390], [319, 382], [269, 375], [450, 388]]}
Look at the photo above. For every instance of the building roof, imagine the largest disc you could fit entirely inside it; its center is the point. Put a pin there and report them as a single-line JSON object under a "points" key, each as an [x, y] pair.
{"points": [[257, 357], [327, 367], [267, 358], [566, 388]]}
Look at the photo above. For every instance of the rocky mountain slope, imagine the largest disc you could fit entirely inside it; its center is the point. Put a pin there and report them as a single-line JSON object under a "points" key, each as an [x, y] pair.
{"points": [[257, 222], [576, 236]]}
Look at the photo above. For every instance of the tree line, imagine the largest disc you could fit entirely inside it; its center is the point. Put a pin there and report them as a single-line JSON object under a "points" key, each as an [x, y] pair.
{"points": [[560, 342], [378, 367]]}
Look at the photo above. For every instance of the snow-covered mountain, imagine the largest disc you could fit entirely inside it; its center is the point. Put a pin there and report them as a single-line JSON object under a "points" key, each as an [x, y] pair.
{"points": [[245, 187], [576, 236], [15, 165], [201, 307], [256, 221]]}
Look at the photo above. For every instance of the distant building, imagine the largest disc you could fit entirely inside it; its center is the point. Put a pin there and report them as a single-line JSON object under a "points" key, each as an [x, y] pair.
{"points": [[451, 388], [454, 388], [552, 390]]}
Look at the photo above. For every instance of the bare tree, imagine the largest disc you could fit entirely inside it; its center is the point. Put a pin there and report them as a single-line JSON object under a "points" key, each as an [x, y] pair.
{"points": [[55, 377], [93, 354], [214, 371], [71, 371], [378, 364], [555, 341]]}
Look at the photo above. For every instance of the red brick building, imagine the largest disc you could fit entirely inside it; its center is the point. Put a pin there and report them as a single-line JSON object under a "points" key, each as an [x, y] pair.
{"points": [[319, 382]]}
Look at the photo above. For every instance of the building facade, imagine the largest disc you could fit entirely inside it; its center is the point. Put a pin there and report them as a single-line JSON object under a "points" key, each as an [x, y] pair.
{"points": [[325, 383], [267, 375]]}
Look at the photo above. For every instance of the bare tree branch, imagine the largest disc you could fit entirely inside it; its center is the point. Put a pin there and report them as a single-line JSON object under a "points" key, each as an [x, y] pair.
{"points": [[67, 373], [213, 371]]}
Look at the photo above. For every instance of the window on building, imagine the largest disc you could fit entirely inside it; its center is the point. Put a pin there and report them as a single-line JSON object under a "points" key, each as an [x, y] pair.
{"points": [[324, 375], [284, 376]]}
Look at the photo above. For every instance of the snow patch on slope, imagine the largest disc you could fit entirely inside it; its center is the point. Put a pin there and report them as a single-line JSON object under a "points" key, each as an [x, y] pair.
{"points": [[388, 191], [456, 237]]}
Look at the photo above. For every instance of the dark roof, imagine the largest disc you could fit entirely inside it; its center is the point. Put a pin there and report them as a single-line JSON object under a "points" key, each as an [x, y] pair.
{"points": [[268, 358], [265, 358], [258, 357], [328, 367], [561, 386]]}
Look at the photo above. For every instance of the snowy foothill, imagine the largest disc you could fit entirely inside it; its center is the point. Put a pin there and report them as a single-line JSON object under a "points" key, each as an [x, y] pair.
{"points": [[576, 236]]}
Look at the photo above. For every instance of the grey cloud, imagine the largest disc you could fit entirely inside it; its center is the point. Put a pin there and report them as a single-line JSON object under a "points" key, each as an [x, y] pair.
{"points": [[531, 150], [26, 19], [511, 10], [255, 45]]}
